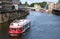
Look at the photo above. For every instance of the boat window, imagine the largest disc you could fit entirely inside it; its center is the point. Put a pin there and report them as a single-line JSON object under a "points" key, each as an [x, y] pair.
{"points": [[25, 26], [16, 28], [13, 28], [18, 25], [20, 28]]}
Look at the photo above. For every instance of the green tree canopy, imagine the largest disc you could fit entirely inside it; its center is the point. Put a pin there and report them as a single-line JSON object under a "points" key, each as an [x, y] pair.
{"points": [[32, 5], [41, 4], [58, 0], [20, 3], [26, 4]]}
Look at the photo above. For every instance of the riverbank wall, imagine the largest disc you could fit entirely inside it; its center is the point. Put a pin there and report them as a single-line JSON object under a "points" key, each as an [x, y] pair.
{"points": [[7, 17]]}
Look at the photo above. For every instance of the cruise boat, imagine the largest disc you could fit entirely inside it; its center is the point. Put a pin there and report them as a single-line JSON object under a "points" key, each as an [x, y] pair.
{"points": [[18, 27]]}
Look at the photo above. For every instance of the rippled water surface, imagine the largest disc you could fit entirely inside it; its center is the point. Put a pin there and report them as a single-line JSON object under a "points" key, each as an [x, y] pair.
{"points": [[43, 26]]}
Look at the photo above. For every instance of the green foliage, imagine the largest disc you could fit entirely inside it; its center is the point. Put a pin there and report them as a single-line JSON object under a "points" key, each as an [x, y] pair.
{"points": [[32, 5], [59, 1], [25, 4], [41, 4], [20, 3]]}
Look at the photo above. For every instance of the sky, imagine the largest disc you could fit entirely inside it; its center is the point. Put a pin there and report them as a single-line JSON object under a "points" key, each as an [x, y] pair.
{"points": [[34, 1]]}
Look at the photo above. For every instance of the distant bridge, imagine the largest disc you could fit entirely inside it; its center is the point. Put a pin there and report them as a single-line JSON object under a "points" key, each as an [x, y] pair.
{"points": [[29, 8]]}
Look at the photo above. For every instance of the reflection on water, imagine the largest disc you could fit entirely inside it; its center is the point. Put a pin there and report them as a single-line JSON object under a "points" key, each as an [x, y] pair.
{"points": [[4, 27], [16, 37]]}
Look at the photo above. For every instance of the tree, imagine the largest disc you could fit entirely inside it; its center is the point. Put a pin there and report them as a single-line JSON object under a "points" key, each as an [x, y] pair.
{"points": [[20, 3], [32, 5], [26, 4], [59, 1], [43, 4]]}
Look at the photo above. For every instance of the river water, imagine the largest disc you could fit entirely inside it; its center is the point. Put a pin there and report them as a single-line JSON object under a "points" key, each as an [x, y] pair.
{"points": [[43, 26]]}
